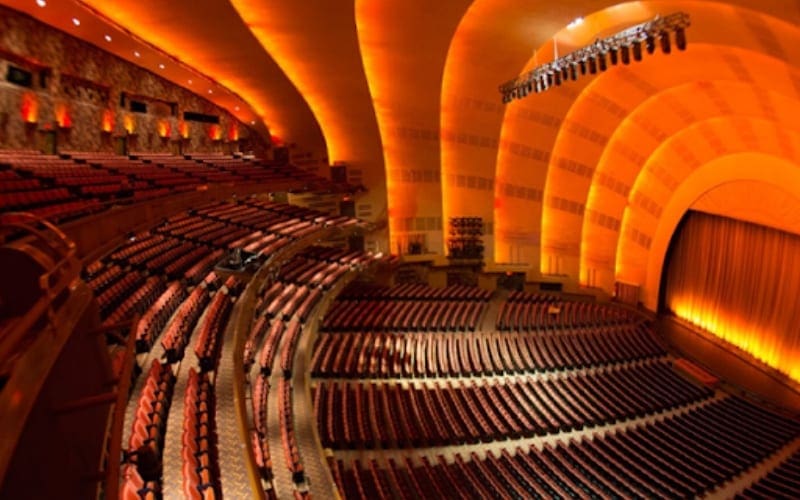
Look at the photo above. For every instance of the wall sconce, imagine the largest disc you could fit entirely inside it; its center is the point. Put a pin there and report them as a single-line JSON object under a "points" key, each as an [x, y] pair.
{"points": [[164, 129], [29, 107], [233, 132], [215, 132], [129, 124], [183, 129], [63, 118], [107, 121]]}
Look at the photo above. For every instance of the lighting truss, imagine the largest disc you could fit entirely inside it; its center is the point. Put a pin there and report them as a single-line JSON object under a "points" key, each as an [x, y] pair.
{"points": [[625, 46]]}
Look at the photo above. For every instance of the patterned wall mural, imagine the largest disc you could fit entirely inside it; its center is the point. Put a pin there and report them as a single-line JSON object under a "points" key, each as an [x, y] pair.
{"points": [[81, 96]]}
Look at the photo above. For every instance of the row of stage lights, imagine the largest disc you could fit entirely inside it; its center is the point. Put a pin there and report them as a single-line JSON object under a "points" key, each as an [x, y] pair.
{"points": [[622, 47]]}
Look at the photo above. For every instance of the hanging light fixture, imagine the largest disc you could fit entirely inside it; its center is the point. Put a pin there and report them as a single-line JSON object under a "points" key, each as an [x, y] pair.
{"points": [[622, 46]]}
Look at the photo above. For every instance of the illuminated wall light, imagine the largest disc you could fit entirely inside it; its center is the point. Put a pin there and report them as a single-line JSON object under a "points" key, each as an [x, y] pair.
{"points": [[161, 66], [236, 108], [233, 132], [214, 132], [29, 107], [76, 21], [164, 129], [107, 121], [210, 91], [41, 3], [63, 117], [107, 38], [189, 81], [136, 53], [129, 124]]}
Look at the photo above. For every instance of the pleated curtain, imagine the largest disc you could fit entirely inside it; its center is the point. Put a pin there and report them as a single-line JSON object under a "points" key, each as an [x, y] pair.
{"points": [[741, 282]]}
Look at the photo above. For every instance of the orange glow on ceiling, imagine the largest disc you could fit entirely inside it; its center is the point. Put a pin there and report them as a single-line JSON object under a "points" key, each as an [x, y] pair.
{"points": [[264, 21]]}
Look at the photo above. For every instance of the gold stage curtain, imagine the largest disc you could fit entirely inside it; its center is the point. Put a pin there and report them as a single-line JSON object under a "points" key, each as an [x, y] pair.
{"points": [[741, 282]]}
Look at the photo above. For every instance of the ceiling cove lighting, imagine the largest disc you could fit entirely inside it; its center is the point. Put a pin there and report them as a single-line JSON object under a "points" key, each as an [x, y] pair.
{"points": [[618, 48]]}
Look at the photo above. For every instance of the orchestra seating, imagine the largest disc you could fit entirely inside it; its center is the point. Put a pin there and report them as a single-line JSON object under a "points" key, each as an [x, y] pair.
{"points": [[582, 397], [680, 456], [781, 482]]}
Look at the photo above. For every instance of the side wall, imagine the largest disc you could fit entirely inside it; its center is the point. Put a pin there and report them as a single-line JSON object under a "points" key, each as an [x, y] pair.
{"points": [[77, 92]]}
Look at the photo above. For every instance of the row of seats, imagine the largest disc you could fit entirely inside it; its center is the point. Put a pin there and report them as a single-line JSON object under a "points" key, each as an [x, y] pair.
{"points": [[415, 291], [682, 456], [401, 355], [781, 482], [361, 415], [527, 312], [211, 331], [282, 309], [200, 459], [141, 475], [177, 333], [83, 182], [149, 326], [408, 315]]}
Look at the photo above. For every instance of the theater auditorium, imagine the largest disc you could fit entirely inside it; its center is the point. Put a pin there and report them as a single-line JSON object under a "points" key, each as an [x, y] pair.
{"points": [[399, 249]]}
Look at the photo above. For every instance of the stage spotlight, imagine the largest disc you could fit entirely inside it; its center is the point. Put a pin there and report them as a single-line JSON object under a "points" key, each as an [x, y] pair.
{"points": [[613, 54], [637, 50], [664, 38], [601, 62], [680, 38], [650, 42], [625, 54]]}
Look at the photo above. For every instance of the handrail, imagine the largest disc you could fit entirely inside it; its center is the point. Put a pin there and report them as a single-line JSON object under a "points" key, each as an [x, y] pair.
{"points": [[52, 282], [114, 435]]}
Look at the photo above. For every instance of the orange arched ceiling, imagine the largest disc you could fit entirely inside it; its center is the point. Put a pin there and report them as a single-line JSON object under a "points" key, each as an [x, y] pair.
{"points": [[572, 181], [212, 38]]}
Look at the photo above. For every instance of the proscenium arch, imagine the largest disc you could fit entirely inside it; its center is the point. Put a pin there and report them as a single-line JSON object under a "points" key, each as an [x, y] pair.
{"points": [[638, 117], [665, 170], [746, 126], [636, 239], [685, 151], [521, 157], [778, 172]]}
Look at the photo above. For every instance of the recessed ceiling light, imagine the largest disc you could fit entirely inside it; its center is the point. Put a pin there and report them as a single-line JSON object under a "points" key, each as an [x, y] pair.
{"points": [[108, 38], [160, 66], [136, 53], [76, 21], [41, 3], [575, 23]]}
